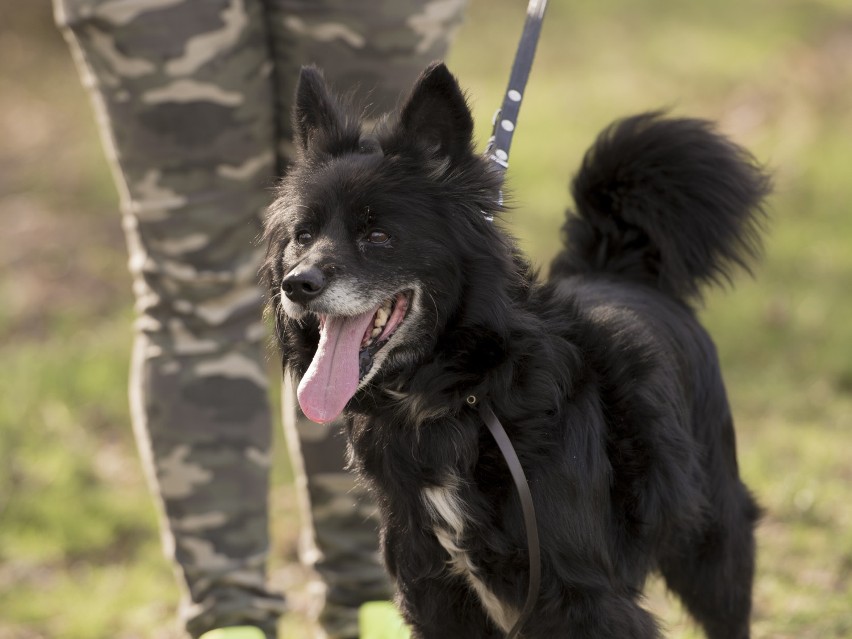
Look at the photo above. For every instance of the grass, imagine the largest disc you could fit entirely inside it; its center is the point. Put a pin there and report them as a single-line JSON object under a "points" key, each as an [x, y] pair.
{"points": [[79, 552]]}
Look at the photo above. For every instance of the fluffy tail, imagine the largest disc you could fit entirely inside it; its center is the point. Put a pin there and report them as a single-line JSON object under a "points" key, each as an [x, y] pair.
{"points": [[669, 202]]}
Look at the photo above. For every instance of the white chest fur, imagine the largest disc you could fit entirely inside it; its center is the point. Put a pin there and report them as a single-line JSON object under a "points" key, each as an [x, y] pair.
{"points": [[448, 517]]}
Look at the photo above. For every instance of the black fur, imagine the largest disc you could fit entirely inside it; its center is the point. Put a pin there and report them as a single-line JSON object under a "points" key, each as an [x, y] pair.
{"points": [[607, 385]]}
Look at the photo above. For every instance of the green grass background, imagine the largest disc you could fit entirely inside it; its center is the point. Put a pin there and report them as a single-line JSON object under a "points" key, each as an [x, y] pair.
{"points": [[79, 549]]}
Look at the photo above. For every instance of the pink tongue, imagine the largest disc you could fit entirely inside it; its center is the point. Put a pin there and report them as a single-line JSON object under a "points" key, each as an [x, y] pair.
{"points": [[332, 378]]}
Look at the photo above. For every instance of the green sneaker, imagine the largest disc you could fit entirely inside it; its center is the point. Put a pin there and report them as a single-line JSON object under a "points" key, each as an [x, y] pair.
{"points": [[381, 620], [235, 632]]}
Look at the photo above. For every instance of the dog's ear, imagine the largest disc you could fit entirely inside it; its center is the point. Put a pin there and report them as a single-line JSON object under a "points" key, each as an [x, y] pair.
{"points": [[315, 108], [436, 112]]}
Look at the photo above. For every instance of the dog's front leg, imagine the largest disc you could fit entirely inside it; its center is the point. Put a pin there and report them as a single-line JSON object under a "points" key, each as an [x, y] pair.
{"points": [[444, 607], [435, 602]]}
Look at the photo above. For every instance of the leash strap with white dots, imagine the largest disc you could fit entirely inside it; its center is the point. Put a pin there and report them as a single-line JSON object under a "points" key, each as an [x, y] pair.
{"points": [[506, 118]]}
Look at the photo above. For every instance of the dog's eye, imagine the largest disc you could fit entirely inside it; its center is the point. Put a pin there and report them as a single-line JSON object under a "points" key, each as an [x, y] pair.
{"points": [[304, 237], [378, 237]]}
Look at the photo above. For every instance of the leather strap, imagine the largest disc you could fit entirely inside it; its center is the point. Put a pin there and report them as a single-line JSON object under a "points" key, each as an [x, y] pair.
{"points": [[522, 486]]}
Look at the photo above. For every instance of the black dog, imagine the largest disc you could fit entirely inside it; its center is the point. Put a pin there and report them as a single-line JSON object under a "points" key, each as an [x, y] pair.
{"points": [[395, 299]]}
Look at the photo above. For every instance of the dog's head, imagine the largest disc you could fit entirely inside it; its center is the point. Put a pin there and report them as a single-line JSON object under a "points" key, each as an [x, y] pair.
{"points": [[373, 236]]}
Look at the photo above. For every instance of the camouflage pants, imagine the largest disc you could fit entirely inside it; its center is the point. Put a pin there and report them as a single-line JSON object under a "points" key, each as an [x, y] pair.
{"points": [[193, 102]]}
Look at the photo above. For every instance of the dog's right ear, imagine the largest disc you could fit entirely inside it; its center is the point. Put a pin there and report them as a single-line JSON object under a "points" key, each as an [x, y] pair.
{"points": [[315, 109]]}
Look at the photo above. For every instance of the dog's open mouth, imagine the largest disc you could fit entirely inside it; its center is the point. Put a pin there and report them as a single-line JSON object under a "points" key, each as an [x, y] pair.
{"points": [[386, 320], [345, 354]]}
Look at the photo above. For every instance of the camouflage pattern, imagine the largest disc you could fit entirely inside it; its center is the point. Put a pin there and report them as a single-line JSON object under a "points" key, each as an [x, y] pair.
{"points": [[193, 99]]}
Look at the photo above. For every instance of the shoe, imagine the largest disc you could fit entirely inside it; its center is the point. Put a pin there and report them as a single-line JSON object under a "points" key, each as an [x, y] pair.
{"points": [[235, 632], [381, 620]]}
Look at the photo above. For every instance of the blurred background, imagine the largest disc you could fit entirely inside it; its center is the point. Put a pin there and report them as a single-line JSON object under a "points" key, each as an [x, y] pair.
{"points": [[79, 551]]}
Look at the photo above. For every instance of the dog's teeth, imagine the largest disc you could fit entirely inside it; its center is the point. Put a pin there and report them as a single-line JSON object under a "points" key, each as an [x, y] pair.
{"points": [[382, 317]]}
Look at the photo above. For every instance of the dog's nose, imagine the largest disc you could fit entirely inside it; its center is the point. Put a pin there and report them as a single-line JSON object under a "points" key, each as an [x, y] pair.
{"points": [[302, 285]]}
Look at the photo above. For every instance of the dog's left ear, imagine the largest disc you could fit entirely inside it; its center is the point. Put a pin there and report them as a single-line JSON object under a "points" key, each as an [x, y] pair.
{"points": [[436, 112]]}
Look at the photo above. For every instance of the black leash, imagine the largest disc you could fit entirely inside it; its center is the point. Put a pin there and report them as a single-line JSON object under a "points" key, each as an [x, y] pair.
{"points": [[523, 488], [497, 152]]}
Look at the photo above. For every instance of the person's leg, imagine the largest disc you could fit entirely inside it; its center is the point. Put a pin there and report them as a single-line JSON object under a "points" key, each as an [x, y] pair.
{"points": [[378, 49], [183, 94]]}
